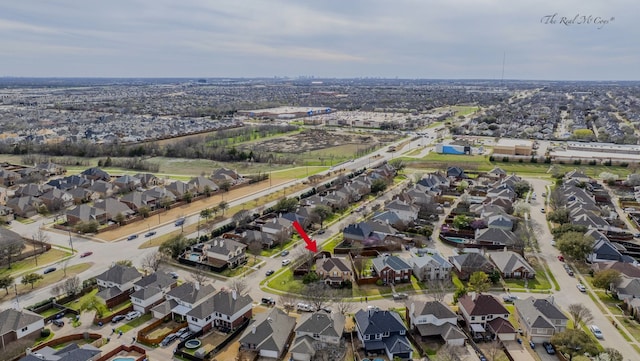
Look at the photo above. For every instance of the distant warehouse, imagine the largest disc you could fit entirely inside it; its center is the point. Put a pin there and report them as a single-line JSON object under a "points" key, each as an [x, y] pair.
{"points": [[513, 147], [453, 149]]}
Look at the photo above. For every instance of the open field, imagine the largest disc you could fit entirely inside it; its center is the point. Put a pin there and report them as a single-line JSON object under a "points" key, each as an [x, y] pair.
{"points": [[482, 163], [48, 279], [17, 268]]}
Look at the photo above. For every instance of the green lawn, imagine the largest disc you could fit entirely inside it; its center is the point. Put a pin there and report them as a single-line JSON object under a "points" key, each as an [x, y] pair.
{"points": [[285, 282], [135, 323], [17, 268], [75, 305], [610, 302], [539, 283]]}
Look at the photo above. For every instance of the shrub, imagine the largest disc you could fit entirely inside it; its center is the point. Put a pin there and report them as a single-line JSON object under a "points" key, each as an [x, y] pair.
{"points": [[45, 332], [379, 283], [505, 159]]}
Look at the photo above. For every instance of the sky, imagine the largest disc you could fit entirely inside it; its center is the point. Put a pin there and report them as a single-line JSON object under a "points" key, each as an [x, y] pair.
{"points": [[417, 39]]}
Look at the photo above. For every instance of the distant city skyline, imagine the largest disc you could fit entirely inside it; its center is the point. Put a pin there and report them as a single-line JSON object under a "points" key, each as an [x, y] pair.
{"points": [[438, 39]]}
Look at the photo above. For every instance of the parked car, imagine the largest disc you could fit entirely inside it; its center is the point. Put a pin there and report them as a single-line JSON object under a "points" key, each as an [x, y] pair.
{"points": [[268, 301], [561, 258], [321, 231], [174, 275], [269, 272], [581, 287], [284, 253], [169, 339], [181, 331], [117, 318], [149, 234], [58, 323], [286, 262], [186, 335], [400, 296], [133, 315], [86, 254], [303, 307], [568, 269], [132, 237], [532, 344], [509, 298], [49, 270], [179, 222], [596, 331], [549, 348]]}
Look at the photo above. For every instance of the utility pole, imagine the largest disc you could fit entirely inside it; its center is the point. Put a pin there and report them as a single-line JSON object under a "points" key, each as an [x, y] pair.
{"points": [[71, 242]]}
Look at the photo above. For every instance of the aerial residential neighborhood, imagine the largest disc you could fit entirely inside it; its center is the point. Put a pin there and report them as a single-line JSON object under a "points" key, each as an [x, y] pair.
{"points": [[421, 241]]}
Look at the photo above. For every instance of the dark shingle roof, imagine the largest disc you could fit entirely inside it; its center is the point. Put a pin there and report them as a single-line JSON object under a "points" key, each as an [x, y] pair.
{"points": [[14, 320], [119, 274], [482, 305]]}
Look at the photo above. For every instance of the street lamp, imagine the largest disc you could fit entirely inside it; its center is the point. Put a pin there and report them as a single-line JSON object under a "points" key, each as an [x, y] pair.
{"points": [[71, 242]]}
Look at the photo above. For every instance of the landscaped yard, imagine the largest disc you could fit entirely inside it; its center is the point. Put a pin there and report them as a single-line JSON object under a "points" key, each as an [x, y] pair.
{"points": [[135, 323], [540, 282], [75, 305], [17, 268]]}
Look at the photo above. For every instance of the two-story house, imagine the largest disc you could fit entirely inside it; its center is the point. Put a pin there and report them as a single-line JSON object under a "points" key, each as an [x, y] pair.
{"points": [[316, 331], [269, 334], [486, 317], [150, 290], [383, 332], [19, 324], [431, 267], [334, 271], [540, 318], [225, 310], [116, 284], [223, 251], [182, 299], [431, 319], [391, 269]]}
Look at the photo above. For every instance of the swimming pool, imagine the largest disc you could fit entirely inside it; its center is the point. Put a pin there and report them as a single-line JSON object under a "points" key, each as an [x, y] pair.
{"points": [[194, 257], [457, 240]]}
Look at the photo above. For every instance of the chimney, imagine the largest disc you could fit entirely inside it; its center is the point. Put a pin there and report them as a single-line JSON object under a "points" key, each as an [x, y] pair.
{"points": [[215, 242], [253, 329], [196, 286], [234, 294]]}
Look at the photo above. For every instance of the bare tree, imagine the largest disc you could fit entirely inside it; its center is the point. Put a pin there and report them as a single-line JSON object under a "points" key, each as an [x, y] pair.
{"points": [[579, 313], [199, 276], [72, 285], [340, 303], [152, 261], [494, 350], [438, 289], [255, 248], [317, 295], [448, 353], [287, 301], [239, 285], [57, 289], [65, 265]]}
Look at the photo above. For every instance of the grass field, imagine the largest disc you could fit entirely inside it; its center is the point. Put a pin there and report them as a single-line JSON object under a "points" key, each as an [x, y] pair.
{"points": [[17, 268], [482, 163], [48, 279]]}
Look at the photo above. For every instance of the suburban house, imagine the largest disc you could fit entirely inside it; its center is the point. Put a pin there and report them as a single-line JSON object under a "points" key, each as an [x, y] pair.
{"points": [[202, 185], [85, 213], [8, 177], [626, 288], [117, 283], [468, 263], [222, 175], [431, 319], [486, 317], [383, 332], [334, 271], [19, 324], [315, 332], [431, 267], [148, 180], [278, 229], [391, 269], [511, 264], [405, 211], [223, 252], [269, 334], [103, 188], [225, 310], [500, 221], [496, 237], [70, 352], [250, 236], [56, 199], [150, 290], [96, 173], [180, 300], [625, 268], [24, 207], [127, 183], [137, 199], [113, 208], [180, 188], [540, 318]]}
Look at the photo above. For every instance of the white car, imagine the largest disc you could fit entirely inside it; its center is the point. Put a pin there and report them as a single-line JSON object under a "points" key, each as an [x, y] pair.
{"points": [[596, 331], [303, 307], [132, 315], [581, 287], [286, 262]]}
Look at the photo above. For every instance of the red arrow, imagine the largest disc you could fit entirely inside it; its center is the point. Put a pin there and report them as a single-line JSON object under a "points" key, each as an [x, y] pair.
{"points": [[311, 244]]}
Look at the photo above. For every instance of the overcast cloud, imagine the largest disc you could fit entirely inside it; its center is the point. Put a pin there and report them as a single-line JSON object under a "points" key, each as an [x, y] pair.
{"points": [[457, 39]]}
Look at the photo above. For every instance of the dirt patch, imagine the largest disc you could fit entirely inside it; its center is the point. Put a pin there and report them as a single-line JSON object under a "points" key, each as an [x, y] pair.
{"points": [[316, 139]]}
